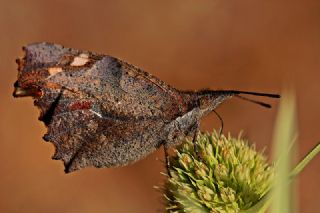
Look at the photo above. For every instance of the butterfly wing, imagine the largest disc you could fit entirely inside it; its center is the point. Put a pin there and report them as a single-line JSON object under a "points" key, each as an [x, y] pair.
{"points": [[100, 111]]}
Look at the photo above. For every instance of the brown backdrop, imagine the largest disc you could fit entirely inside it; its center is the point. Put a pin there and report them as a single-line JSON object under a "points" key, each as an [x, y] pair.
{"points": [[255, 45]]}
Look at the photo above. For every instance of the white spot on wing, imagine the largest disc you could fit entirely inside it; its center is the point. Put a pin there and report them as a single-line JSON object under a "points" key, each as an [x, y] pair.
{"points": [[80, 60], [54, 70], [96, 113]]}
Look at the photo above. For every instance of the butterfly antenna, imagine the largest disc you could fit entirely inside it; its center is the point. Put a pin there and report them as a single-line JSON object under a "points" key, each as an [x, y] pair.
{"points": [[254, 101], [256, 94], [238, 93], [270, 95]]}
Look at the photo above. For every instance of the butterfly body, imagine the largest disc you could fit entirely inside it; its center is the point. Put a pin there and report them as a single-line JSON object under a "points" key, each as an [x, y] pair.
{"points": [[103, 112]]}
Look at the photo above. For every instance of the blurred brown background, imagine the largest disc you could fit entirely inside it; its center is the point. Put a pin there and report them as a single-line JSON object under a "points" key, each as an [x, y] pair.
{"points": [[254, 45]]}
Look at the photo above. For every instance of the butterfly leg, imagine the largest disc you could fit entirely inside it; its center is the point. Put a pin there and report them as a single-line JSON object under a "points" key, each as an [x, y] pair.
{"points": [[167, 158], [221, 122], [195, 137]]}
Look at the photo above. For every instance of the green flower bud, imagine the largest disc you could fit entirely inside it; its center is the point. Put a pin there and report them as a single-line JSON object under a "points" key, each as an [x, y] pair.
{"points": [[224, 175]]}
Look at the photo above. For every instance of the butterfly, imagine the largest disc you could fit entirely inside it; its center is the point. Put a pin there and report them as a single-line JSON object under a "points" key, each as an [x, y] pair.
{"points": [[101, 111]]}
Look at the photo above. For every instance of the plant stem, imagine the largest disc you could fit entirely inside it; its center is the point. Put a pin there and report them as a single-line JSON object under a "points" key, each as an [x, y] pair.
{"points": [[302, 164]]}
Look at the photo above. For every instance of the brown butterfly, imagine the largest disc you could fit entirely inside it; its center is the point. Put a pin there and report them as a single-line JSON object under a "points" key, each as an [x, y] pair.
{"points": [[103, 112]]}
